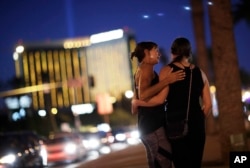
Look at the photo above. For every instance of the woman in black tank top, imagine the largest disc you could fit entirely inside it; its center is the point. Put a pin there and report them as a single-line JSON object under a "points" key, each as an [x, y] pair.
{"points": [[151, 119]]}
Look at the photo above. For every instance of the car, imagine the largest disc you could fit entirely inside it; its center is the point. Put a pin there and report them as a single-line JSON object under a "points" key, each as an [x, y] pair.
{"points": [[22, 149], [131, 136], [65, 147], [97, 143]]}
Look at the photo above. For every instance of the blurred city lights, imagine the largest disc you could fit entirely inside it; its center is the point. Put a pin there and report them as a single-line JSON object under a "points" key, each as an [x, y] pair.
{"points": [[103, 127], [25, 101], [129, 94], [70, 148], [245, 95], [8, 159], [92, 143], [42, 113], [134, 137], [76, 43], [54, 111], [104, 104], [82, 108], [215, 109], [18, 114], [106, 36], [120, 137], [15, 116], [22, 112], [15, 56], [12, 102], [105, 150], [212, 89], [19, 49]]}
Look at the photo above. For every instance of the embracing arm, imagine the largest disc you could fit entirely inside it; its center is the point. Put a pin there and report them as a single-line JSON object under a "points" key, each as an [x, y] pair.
{"points": [[167, 77], [154, 101], [160, 97], [206, 96]]}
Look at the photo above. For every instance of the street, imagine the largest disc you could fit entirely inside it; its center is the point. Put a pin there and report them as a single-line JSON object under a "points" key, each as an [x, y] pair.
{"points": [[116, 147], [134, 156]]}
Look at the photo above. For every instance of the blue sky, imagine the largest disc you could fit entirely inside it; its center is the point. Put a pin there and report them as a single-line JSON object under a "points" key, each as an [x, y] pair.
{"points": [[43, 20]]}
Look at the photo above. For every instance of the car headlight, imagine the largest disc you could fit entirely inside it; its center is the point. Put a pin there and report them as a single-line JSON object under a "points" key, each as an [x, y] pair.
{"points": [[105, 150], [120, 137], [44, 155], [70, 148], [8, 159], [94, 143]]}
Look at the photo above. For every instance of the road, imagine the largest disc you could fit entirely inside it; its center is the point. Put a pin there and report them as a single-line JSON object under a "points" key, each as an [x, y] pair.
{"points": [[134, 156], [131, 157], [92, 156]]}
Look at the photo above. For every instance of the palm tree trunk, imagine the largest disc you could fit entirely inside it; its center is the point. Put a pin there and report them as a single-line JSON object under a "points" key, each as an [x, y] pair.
{"points": [[199, 33], [201, 51], [227, 77]]}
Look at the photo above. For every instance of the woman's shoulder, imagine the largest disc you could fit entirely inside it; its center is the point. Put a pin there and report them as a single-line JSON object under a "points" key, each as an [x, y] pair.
{"points": [[166, 68], [200, 72], [195, 67]]}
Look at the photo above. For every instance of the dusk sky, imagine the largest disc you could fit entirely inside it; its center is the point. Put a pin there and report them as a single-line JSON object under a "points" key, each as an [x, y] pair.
{"points": [[157, 20]]}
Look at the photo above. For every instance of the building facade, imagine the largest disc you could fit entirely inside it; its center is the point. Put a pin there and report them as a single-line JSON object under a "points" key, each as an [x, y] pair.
{"points": [[75, 71]]}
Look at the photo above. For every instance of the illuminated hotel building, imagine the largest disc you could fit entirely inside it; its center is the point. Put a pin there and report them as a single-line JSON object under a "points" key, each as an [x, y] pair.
{"points": [[75, 71]]}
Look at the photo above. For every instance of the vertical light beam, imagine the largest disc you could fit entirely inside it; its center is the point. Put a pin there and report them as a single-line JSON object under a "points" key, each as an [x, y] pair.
{"points": [[70, 25]]}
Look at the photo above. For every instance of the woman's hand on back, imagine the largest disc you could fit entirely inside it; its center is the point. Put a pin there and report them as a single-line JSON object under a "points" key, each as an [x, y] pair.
{"points": [[172, 77]]}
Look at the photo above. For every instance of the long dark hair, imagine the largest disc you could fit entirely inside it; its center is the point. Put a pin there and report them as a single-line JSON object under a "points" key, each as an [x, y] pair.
{"points": [[139, 49], [181, 47]]}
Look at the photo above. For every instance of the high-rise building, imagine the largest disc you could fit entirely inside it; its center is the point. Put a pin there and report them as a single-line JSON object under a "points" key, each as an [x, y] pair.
{"points": [[75, 71]]}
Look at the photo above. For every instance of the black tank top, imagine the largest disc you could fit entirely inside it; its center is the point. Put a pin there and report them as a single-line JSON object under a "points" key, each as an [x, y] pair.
{"points": [[177, 99], [151, 118]]}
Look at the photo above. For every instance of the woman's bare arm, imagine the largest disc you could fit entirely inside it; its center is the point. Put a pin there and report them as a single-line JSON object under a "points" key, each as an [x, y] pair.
{"points": [[206, 96], [157, 99]]}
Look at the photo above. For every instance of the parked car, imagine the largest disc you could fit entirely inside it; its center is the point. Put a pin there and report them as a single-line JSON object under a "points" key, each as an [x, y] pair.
{"points": [[22, 149], [65, 147]]}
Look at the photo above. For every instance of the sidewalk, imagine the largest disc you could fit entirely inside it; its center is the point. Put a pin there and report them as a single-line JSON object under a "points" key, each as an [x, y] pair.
{"points": [[134, 157], [212, 151]]}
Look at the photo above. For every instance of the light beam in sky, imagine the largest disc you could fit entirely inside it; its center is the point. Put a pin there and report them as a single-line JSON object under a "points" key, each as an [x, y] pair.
{"points": [[70, 25]]}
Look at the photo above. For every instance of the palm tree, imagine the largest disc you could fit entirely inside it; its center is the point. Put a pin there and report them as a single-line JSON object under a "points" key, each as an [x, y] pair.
{"points": [[227, 76], [199, 33], [201, 51]]}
